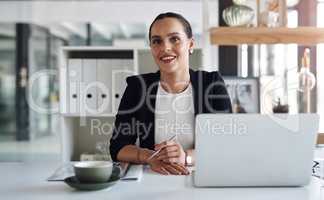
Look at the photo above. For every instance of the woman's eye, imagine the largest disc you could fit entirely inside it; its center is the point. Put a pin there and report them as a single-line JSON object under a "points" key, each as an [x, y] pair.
{"points": [[156, 41], [174, 39]]}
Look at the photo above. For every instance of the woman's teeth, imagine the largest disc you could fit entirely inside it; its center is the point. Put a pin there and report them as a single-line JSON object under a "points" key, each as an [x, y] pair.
{"points": [[168, 59]]}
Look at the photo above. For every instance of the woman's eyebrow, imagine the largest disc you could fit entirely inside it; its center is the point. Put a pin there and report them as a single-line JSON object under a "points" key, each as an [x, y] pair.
{"points": [[169, 34], [173, 33], [155, 37]]}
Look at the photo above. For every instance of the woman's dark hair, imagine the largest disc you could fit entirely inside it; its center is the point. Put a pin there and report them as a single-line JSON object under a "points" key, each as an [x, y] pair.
{"points": [[184, 22]]}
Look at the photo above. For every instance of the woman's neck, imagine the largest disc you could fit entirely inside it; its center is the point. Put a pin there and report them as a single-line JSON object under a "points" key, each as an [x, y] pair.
{"points": [[175, 82]]}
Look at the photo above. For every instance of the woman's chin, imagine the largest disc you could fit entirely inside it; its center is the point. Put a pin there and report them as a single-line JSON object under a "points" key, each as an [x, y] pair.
{"points": [[169, 69]]}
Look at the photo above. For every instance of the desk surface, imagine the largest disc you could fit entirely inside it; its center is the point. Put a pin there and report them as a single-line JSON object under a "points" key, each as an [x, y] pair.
{"points": [[28, 181]]}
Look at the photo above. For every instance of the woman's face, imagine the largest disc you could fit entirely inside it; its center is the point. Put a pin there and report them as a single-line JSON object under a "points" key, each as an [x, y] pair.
{"points": [[170, 45]]}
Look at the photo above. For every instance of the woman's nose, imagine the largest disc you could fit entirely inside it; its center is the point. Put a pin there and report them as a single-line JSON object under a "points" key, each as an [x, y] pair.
{"points": [[166, 46]]}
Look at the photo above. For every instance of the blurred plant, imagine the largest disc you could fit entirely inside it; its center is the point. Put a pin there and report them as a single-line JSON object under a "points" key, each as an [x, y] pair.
{"points": [[280, 108]]}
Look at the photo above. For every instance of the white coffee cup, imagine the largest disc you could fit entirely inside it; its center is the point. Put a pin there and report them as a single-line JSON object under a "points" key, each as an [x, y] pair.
{"points": [[93, 171]]}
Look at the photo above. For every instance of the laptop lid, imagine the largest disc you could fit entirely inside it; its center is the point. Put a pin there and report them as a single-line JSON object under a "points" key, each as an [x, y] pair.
{"points": [[254, 149]]}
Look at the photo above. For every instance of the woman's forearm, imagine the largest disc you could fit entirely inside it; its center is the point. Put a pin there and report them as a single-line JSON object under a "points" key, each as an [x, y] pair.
{"points": [[134, 154]]}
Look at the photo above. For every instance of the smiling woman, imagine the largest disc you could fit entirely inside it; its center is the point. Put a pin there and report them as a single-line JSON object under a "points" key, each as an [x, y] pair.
{"points": [[165, 103], [171, 42]]}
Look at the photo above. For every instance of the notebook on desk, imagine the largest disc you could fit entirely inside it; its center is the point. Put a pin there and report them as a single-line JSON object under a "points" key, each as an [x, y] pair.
{"points": [[254, 149], [131, 172]]}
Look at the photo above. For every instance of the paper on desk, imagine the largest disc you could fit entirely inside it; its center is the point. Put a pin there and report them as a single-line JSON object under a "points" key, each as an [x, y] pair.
{"points": [[133, 173], [129, 172], [64, 171]]}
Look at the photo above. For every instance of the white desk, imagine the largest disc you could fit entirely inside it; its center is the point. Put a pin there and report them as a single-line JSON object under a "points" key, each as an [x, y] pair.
{"points": [[28, 182]]}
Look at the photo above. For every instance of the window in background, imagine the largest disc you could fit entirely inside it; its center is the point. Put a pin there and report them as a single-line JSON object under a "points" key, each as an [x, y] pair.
{"points": [[44, 48], [102, 34], [39, 90], [77, 33], [56, 45], [122, 34], [43, 54], [43, 44], [7, 81]]}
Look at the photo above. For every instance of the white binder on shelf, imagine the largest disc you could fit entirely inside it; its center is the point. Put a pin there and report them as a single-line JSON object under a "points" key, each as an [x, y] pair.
{"points": [[74, 79], [88, 87], [104, 89], [122, 69]]}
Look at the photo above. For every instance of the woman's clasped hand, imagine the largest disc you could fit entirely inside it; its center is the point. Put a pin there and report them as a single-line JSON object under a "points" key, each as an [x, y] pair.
{"points": [[169, 160], [170, 152]]}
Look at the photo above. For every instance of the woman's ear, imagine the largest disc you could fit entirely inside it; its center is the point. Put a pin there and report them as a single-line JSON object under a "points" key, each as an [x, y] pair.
{"points": [[191, 45]]}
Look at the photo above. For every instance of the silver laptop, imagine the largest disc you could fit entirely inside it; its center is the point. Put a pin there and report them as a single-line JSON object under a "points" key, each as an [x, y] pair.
{"points": [[254, 149]]}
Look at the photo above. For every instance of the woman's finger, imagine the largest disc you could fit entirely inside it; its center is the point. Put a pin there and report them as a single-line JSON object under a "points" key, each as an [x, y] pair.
{"points": [[172, 170], [171, 160], [160, 170], [164, 171], [164, 155], [168, 149], [163, 144], [184, 170], [158, 146], [168, 155]]}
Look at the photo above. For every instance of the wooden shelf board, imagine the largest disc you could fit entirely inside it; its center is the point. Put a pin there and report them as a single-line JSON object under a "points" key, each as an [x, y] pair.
{"points": [[87, 115], [263, 35]]}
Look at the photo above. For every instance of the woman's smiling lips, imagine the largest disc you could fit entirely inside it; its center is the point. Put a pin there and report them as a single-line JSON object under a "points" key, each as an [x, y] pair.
{"points": [[167, 58]]}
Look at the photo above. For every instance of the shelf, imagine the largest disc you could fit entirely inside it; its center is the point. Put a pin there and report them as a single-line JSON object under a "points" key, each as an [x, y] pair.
{"points": [[281, 35], [87, 115]]}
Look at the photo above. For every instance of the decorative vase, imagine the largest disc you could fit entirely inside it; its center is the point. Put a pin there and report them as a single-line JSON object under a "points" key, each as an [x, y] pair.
{"points": [[238, 15], [239, 2]]}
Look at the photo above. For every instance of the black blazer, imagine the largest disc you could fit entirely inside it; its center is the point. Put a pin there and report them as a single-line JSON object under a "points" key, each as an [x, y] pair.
{"points": [[135, 117]]}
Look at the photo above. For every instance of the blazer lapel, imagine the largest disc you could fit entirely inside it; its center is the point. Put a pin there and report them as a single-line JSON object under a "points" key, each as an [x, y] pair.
{"points": [[195, 87], [151, 100]]}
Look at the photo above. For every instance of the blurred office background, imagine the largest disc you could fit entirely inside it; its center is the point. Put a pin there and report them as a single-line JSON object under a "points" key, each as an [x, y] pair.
{"points": [[32, 33]]}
